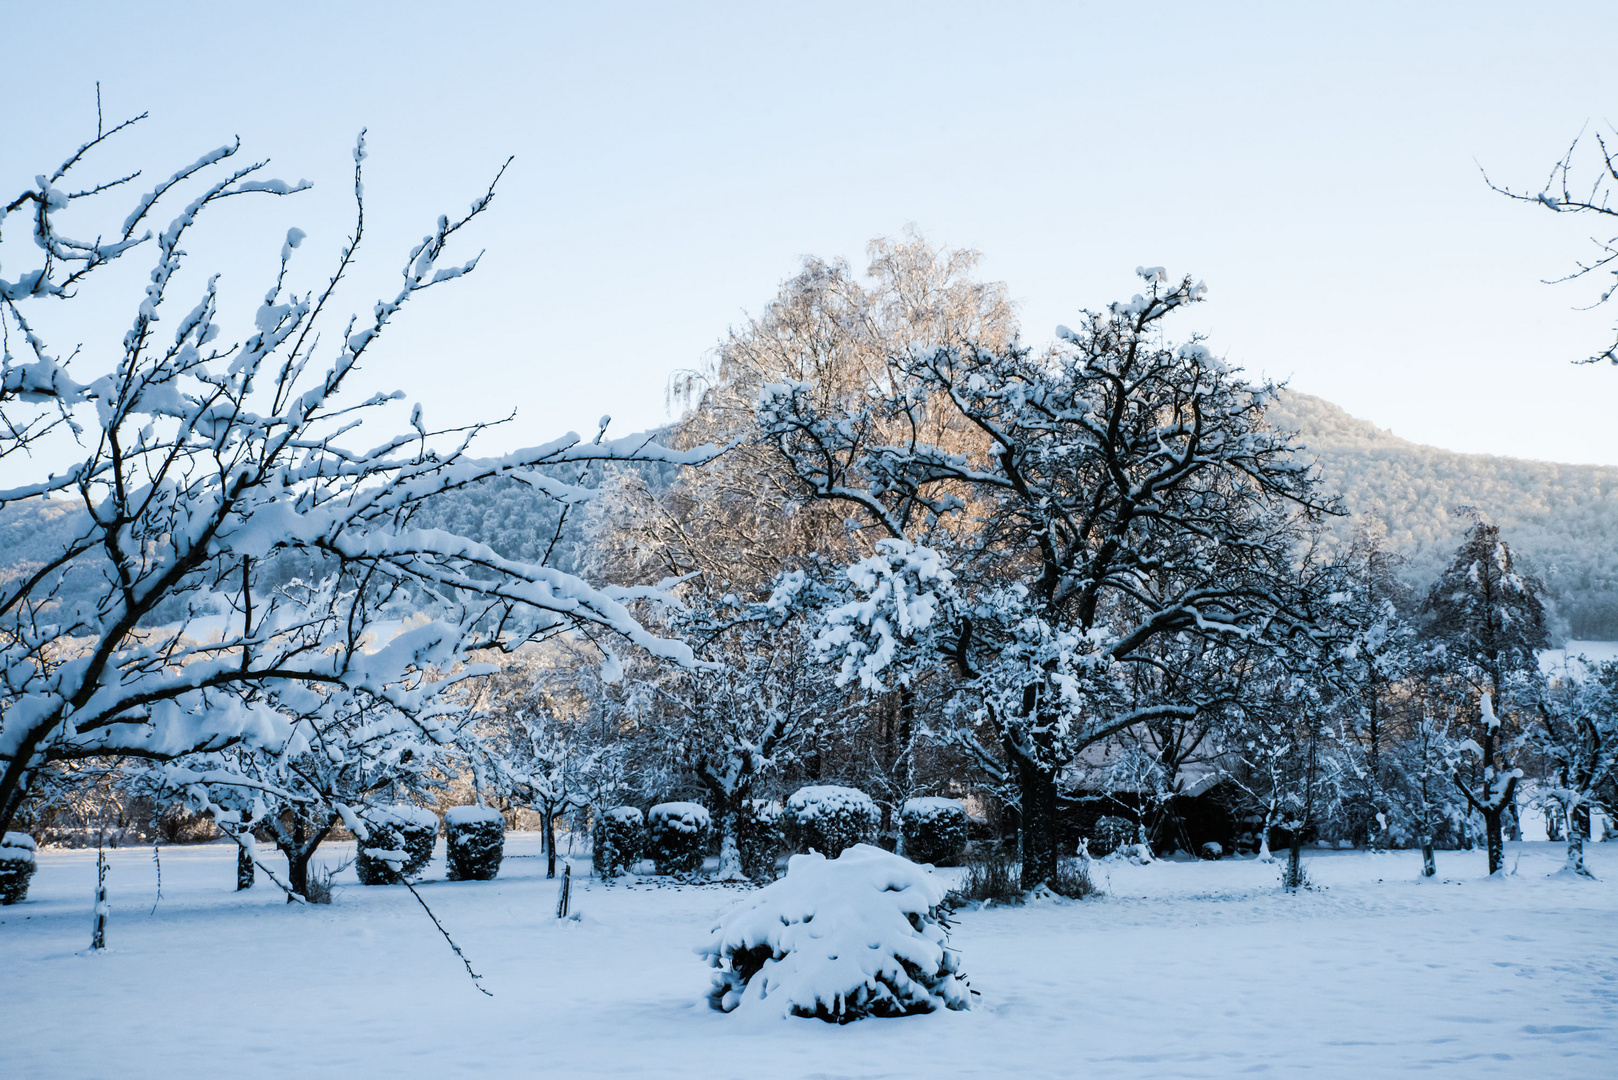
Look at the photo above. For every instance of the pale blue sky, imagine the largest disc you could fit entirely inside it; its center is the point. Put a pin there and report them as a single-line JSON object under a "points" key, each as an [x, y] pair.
{"points": [[1317, 167]]}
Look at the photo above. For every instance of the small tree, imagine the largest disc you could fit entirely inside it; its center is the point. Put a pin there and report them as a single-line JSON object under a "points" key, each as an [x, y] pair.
{"points": [[1575, 735], [1491, 622]]}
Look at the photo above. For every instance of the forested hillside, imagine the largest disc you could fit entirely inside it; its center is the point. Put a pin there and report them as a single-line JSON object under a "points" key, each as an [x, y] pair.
{"points": [[1562, 518]]}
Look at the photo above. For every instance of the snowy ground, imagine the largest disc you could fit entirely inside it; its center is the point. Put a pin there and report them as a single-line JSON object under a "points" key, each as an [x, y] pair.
{"points": [[1183, 970]]}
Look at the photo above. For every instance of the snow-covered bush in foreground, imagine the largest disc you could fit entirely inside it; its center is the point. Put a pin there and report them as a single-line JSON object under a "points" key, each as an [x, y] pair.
{"points": [[475, 842], [860, 935], [405, 833], [829, 819], [678, 836], [620, 839], [934, 830], [16, 866]]}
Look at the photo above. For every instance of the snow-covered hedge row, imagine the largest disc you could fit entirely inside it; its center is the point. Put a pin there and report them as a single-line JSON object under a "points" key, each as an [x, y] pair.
{"points": [[620, 840], [405, 833], [829, 819], [758, 837], [841, 939], [16, 866], [677, 836], [934, 830], [475, 840]]}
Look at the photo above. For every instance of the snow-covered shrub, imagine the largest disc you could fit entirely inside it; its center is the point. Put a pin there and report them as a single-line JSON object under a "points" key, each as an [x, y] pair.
{"points": [[620, 840], [860, 935], [475, 840], [1073, 879], [1111, 833], [934, 830], [758, 837], [406, 833], [318, 888], [677, 836], [829, 819], [1212, 850], [16, 866], [992, 877]]}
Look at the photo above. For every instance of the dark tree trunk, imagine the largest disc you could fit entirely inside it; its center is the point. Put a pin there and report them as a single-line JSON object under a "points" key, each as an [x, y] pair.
{"points": [[1037, 789], [550, 843], [1292, 880], [244, 868], [1581, 821], [1428, 866], [298, 870], [1495, 837]]}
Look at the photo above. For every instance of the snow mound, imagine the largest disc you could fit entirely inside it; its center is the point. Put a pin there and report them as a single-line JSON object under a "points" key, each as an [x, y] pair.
{"points": [[841, 939]]}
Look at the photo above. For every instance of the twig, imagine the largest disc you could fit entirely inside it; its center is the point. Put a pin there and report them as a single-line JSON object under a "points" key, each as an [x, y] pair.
{"points": [[155, 857], [476, 978]]}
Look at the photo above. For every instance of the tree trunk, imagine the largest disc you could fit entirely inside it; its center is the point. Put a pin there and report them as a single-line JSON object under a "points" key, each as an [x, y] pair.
{"points": [[1293, 879], [730, 852], [1038, 791], [1579, 821], [1428, 866], [1495, 838], [1575, 846], [98, 931], [550, 843], [1264, 845], [244, 862], [298, 870]]}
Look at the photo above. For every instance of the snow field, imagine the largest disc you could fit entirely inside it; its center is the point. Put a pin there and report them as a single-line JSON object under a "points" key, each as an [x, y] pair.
{"points": [[1183, 970]]}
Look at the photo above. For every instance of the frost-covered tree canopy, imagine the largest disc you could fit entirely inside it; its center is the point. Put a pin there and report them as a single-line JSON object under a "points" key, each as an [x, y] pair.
{"points": [[203, 460]]}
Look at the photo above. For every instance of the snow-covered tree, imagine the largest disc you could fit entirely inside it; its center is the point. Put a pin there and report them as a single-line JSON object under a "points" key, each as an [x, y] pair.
{"points": [[343, 752], [201, 467], [1122, 491], [1375, 608], [1575, 736], [739, 725], [1491, 622]]}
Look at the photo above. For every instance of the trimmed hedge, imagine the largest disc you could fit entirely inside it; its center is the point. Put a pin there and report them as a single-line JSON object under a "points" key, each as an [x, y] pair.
{"points": [[620, 840], [758, 837], [399, 828], [677, 836], [17, 865], [829, 819], [934, 831], [476, 842]]}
